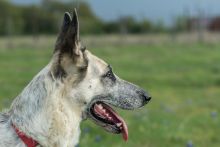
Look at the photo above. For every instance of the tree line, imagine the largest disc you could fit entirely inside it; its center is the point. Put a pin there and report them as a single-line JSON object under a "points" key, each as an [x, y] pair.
{"points": [[45, 18]]}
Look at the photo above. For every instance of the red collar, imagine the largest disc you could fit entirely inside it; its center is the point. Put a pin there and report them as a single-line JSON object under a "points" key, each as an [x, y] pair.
{"points": [[29, 142]]}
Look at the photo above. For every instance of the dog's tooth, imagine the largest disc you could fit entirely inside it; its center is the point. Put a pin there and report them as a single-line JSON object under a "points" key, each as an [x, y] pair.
{"points": [[100, 106], [119, 124]]}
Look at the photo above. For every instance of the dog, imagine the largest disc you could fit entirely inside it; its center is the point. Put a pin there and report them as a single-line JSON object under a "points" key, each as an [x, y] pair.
{"points": [[74, 86]]}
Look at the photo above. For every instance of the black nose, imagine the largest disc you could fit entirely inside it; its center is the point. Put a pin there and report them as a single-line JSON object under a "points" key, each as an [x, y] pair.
{"points": [[144, 95]]}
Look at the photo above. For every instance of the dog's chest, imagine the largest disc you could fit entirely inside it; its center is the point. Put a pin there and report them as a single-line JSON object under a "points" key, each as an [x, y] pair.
{"points": [[65, 126]]}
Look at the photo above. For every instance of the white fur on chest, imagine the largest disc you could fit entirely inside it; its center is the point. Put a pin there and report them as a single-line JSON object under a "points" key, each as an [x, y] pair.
{"points": [[64, 130]]}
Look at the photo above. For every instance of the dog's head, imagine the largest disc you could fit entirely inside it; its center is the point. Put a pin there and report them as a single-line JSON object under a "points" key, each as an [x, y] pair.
{"points": [[90, 84]]}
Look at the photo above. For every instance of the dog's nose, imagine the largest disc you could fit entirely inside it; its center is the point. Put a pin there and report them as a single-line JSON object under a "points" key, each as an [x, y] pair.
{"points": [[145, 96]]}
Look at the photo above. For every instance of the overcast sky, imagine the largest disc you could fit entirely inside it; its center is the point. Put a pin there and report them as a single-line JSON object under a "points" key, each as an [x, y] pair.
{"points": [[151, 9]]}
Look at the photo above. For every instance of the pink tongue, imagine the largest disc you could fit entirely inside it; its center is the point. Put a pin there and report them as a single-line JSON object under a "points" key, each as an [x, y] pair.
{"points": [[115, 118], [124, 130]]}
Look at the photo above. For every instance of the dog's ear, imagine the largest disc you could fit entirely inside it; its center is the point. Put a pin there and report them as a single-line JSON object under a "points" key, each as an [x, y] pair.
{"points": [[66, 22], [75, 25], [68, 38], [69, 56]]}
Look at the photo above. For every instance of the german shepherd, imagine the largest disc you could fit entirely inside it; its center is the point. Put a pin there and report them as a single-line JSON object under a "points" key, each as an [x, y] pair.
{"points": [[74, 86]]}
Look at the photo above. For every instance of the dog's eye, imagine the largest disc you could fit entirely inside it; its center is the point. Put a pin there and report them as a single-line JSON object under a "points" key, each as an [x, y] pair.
{"points": [[110, 75]]}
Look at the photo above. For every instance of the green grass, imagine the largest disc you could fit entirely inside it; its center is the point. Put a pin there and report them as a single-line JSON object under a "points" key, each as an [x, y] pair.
{"points": [[184, 81]]}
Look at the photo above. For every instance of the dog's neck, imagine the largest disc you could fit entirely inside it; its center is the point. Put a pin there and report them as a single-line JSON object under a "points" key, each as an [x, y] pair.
{"points": [[42, 113]]}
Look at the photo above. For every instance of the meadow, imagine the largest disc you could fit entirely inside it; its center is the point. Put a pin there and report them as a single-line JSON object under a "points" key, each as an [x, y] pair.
{"points": [[183, 79]]}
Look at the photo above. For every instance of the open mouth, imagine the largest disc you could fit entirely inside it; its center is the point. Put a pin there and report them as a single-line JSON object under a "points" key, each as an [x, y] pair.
{"points": [[105, 116]]}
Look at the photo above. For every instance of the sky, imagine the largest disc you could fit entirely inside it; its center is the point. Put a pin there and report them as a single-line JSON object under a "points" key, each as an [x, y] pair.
{"points": [[155, 10]]}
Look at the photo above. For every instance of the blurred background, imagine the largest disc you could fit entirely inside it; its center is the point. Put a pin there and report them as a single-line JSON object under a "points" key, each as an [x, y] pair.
{"points": [[171, 48]]}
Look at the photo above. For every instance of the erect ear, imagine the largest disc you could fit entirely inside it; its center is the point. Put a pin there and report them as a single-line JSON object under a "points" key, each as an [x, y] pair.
{"points": [[75, 24], [66, 22], [69, 57], [68, 38]]}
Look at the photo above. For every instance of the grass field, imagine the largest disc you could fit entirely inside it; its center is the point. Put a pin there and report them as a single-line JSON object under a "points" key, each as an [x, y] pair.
{"points": [[183, 79]]}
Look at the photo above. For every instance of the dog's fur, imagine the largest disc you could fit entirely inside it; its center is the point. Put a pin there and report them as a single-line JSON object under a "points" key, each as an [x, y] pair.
{"points": [[51, 107]]}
